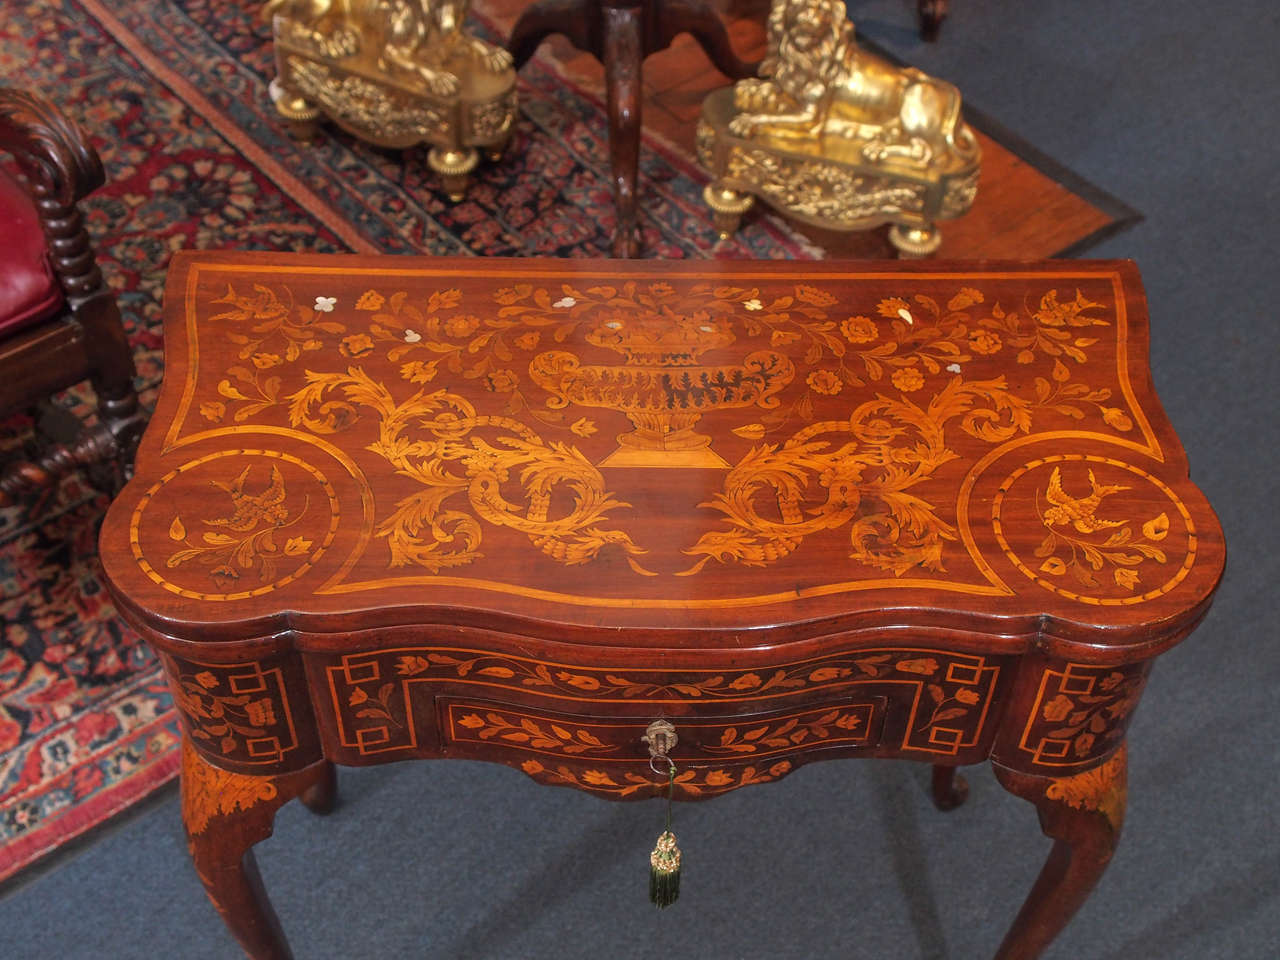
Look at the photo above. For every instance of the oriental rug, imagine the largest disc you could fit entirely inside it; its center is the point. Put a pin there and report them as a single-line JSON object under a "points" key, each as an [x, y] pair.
{"points": [[173, 94]]}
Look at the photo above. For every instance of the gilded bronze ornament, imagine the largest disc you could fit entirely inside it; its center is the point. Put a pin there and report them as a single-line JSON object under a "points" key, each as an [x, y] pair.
{"points": [[837, 137], [396, 73]]}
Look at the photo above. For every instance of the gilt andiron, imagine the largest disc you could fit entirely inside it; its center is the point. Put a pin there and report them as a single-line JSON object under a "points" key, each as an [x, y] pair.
{"points": [[395, 73], [837, 137]]}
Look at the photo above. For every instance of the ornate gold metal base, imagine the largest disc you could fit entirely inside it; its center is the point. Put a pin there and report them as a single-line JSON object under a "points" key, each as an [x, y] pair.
{"points": [[836, 137], [913, 243], [728, 207], [301, 118], [396, 75], [454, 167]]}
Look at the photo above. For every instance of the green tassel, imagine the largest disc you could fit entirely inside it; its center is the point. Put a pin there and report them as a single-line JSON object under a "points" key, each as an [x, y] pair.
{"points": [[664, 862], [664, 871]]}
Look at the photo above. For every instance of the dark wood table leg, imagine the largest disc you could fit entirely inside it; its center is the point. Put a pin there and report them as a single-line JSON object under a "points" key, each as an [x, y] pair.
{"points": [[321, 796], [623, 54], [950, 789], [620, 34], [1083, 814], [695, 17], [932, 13], [578, 20], [225, 814]]}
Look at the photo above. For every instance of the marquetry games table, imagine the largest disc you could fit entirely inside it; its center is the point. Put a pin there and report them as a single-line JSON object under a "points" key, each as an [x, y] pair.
{"points": [[395, 508]]}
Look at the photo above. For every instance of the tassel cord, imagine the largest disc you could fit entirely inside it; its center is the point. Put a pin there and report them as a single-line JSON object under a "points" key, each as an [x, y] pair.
{"points": [[664, 862]]}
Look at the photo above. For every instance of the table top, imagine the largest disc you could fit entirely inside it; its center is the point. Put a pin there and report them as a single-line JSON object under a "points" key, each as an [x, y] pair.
{"points": [[640, 453]]}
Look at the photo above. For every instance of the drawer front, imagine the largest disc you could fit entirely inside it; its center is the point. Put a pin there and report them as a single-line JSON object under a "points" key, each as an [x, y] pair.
{"points": [[711, 756], [427, 700]]}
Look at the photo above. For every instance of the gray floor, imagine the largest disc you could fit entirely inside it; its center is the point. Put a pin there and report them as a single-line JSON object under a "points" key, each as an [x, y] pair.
{"points": [[1168, 104]]}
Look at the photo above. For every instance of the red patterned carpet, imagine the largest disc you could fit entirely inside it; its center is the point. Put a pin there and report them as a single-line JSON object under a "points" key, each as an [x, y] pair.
{"points": [[173, 93]]}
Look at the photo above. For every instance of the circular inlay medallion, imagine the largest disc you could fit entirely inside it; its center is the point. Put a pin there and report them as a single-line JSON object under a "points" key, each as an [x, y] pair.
{"points": [[1094, 529], [234, 524]]}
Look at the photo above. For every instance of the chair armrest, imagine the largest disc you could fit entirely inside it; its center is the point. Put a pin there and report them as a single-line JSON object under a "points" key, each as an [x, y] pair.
{"points": [[53, 153]]}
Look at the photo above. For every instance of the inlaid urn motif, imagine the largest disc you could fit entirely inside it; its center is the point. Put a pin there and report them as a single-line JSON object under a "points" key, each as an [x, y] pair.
{"points": [[662, 384]]}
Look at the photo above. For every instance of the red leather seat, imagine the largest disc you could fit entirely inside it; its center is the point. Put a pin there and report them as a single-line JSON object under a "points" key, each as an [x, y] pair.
{"points": [[59, 323], [29, 291]]}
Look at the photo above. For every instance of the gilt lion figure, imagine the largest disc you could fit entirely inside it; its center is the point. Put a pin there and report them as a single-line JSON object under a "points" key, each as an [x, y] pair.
{"points": [[819, 93], [422, 38]]}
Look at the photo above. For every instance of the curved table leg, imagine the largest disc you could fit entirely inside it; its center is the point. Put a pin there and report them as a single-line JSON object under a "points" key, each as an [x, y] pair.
{"points": [[225, 814], [1083, 814], [950, 789], [321, 796], [574, 19], [623, 54], [706, 27]]}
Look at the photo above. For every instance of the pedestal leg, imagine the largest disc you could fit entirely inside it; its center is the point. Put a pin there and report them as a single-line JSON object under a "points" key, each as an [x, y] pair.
{"points": [[621, 33], [622, 57], [950, 789], [576, 19], [706, 27], [932, 13], [225, 814], [1083, 814]]}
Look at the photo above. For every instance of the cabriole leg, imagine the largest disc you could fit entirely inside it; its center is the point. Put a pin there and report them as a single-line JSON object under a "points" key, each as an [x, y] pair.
{"points": [[321, 796], [1083, 814], [950, 789], [225, 814]]}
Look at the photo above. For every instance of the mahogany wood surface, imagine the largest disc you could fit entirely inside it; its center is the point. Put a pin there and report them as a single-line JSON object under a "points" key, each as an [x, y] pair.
{"points": [[517, 510]]}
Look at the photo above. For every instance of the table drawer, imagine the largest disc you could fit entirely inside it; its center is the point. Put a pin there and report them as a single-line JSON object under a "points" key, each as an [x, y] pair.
{"points": [[609, 756], [412, 700]]}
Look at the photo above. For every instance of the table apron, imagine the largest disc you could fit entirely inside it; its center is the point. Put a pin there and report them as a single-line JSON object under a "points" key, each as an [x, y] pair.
{"points": [[739, 721]]}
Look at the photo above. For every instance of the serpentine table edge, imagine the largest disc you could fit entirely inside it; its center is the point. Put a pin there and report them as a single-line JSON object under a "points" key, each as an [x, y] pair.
{"points": [[517, 510]]}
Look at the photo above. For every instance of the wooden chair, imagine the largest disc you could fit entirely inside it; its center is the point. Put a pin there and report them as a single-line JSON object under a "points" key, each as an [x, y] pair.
{"points": [[59, 324]]}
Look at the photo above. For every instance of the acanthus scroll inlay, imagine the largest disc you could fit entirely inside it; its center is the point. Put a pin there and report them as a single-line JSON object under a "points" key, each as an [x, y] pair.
{"points": [[534, 411]]}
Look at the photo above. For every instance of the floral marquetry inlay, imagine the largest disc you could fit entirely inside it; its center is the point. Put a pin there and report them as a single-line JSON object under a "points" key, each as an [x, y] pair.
{"points": [[237, 712], [944, 699], [658, 439], [689, 784], [1081, 712], [612, 741], [745, 515], [208, 791], [1103, 789]]}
